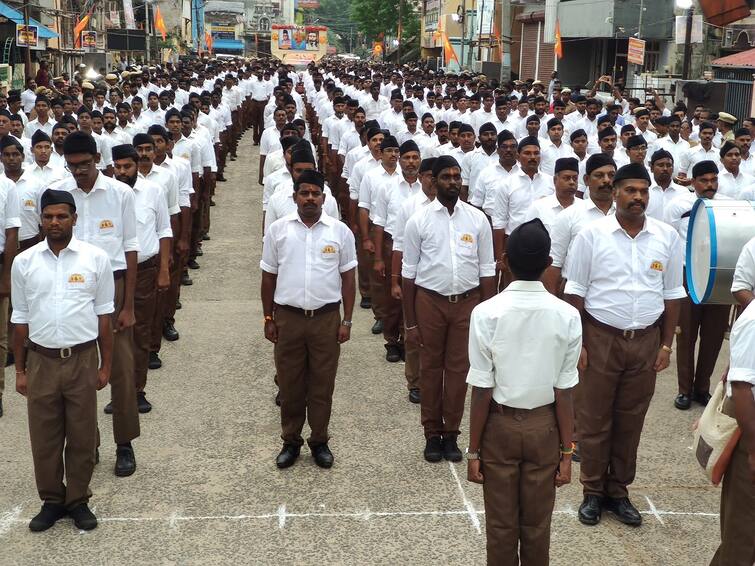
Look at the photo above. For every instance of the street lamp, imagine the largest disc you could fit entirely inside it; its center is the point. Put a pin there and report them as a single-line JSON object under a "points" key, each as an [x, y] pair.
{"points": [[687, 5]]}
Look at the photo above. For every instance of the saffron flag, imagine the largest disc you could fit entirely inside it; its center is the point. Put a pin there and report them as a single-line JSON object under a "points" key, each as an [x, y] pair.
{"points": [[208, 41], [448, 51], [160, 23], [80, 26], [559, 47]]}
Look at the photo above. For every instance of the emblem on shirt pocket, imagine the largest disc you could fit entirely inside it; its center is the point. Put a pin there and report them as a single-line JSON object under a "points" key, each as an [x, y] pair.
{"points": [[106, 226], [329, 251], [75, 278], [656, 266], [29, 204]]}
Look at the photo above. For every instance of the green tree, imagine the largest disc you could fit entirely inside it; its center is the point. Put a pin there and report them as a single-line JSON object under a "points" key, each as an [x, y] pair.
{"points": [[376, 17]]}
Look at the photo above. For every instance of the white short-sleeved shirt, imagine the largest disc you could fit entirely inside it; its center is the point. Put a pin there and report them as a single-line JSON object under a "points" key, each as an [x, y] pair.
{"points": [[548, 208], [360, 170], [390, 200], [472, 165], [742, 344], [181, 168], [270, 140], [152, 218], [488, 182], [661, 198], [106, 217], [523, 343], [625, 280], [308, 261], [731, 186], [60, 297], [568, 224], [744, 273], [372, 185], [167, 182], [694, 155], [9, 208], [29, 191], [514, 197], [49, 173], [448, 253], [281, 203], [188, 150]]}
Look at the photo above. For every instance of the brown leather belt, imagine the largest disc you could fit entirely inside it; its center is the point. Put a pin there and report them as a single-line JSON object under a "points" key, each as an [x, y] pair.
{"points": [[151, 262], [62, 353], [308, 313], [506, 410], [626, 334], [452, 298]]}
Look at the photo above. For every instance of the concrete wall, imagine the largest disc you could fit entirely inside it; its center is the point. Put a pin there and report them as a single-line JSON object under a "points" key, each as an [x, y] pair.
{"points": [[591, 18], [586, 18]]}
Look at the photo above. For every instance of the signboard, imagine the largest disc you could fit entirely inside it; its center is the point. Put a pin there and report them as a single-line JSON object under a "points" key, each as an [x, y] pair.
{"points": [[309, 4], [5, 76], [680, 29], [88, 39], [27, 36], [128, 14], [223, 32], [636, 51], [298, 44]]}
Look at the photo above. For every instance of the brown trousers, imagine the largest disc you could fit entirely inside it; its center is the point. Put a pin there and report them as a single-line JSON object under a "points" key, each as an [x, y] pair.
{"points": [[520, 455], [614, 396], [145, 301], [377, 284], [711, 322], [363, 269], [258, 113], [444, 360], [4, 307], [173, 293], [737, 513], [306, 362], [62, 404], [122, 383]]}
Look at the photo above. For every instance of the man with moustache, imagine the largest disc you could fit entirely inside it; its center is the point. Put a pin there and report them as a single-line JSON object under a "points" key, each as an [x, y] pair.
{"points": [[302, 290], [107, 219], [447, 268], [547, 208], [483, 193], [474, 162], [56, 357], [625, 277], [710, 322], [155, 240], [663, 190]]}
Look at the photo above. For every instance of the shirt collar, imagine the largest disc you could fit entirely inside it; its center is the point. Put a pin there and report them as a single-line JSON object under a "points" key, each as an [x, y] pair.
{"points": [[74, 244], [531, 286]]}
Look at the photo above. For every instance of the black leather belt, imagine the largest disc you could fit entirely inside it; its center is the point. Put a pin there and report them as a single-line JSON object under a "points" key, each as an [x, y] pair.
{"points": [[311, 313], [62, 353], [151, 262], [453, 298], [626, 334]]}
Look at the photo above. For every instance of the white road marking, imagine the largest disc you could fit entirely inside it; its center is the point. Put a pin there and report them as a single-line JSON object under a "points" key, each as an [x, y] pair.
{"points": [[467, 503], [8, 518], [654, 511], [282, 516]]}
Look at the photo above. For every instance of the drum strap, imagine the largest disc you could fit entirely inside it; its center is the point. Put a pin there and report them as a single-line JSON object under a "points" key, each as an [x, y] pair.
{"points": [[687, 214]]}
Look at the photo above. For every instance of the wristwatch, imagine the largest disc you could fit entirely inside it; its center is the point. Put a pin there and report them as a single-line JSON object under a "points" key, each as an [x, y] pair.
{"points": [[472, 455], [346, 323]]}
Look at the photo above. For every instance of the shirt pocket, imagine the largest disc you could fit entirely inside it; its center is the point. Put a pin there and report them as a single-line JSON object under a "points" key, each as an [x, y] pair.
{"points": [[104, 228], [328, 251], [80, 282], [466, 244]]}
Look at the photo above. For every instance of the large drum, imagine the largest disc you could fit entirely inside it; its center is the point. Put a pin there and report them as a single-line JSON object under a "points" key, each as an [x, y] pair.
{"points": [[718, 230]]}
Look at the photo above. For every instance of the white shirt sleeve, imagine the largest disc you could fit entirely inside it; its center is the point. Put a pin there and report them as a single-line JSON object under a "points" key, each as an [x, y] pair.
{"points": [[269, 261], [412, 243], [130, 238], [578, 264], [744, 273], [103, 296], [569, 377], [481, 368], [485, 250], [12, 208], [673, 274], [501, 208], [20, 313]]}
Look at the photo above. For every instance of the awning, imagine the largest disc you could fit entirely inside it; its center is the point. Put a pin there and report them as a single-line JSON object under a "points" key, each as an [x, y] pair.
{"points": [[227, 45], [18, 17], [744, 59]]}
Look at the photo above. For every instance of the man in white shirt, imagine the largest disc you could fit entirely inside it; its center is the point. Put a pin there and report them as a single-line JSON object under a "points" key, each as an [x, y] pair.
{"points": [[474, 162], [663, 190], [42, 121], [708, 321], [547, 208], [374, 104], [47, 166], [29, 96], [107, 219], [524, 345], [732, 181], [743, 283], [738, 492], [155, 239], [625, 277], [483, 193], [554, 147], [308, 263], [28, 190], [447, 269], [701, 152], [56, 358]]}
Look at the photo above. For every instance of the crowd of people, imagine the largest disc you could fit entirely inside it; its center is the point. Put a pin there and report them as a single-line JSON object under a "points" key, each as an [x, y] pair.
{"points": [[522, 238]]}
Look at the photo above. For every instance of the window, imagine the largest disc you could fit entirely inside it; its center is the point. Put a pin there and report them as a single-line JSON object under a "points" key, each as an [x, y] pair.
{"points": [[652, 56]]}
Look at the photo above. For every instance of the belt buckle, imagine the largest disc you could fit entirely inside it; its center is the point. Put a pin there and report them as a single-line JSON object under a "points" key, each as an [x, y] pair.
{"points": [[65, 353], [309, 313], [453, 299], [628, 334]]}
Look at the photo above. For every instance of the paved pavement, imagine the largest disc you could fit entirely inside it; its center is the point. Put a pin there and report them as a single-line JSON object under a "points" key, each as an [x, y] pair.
{"points": [[206, 490]]}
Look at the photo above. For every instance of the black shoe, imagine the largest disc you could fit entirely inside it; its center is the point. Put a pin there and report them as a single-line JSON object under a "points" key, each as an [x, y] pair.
{"points": [[414, 396], [212, 203], [433, 449], [186, 280], [393, 353], [322, 455], [205, 237], [96, 456], [377, 328], [365, 303], [169, 332], [682, 402], [109, 408], [220, 179], [154, 361], [82, 517], [278, 398], [142, 404], [192, 264], [199, 252], [451, 450], [402, 349], [701, 398], [10, 359], [288, 455], [178, 305], [125, 461], [47, 517], [624, 510], [1, 406], [590, 510], [575, 457]]}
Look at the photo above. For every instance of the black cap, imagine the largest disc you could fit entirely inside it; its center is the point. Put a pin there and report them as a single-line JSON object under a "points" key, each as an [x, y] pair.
{"points": [[528, 247], [636, 141], [660, 154], [124, 151], [529, 140], [140, 139], [632, 171], [407, 146], [598, 160], [39, 136], [427, 164], [566, 164], [311, 177], [388, 141], [444, 162], [51, 196], [703, 168]]}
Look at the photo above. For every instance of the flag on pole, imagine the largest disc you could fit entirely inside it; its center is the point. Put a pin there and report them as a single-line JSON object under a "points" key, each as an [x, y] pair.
{"points": [[208, 41], [160, 23], [448, 51], [559, 47], [80, 26]]}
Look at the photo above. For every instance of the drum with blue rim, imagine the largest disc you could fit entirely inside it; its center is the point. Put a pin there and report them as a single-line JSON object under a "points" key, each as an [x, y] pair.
{"points": [[718, 230]]}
